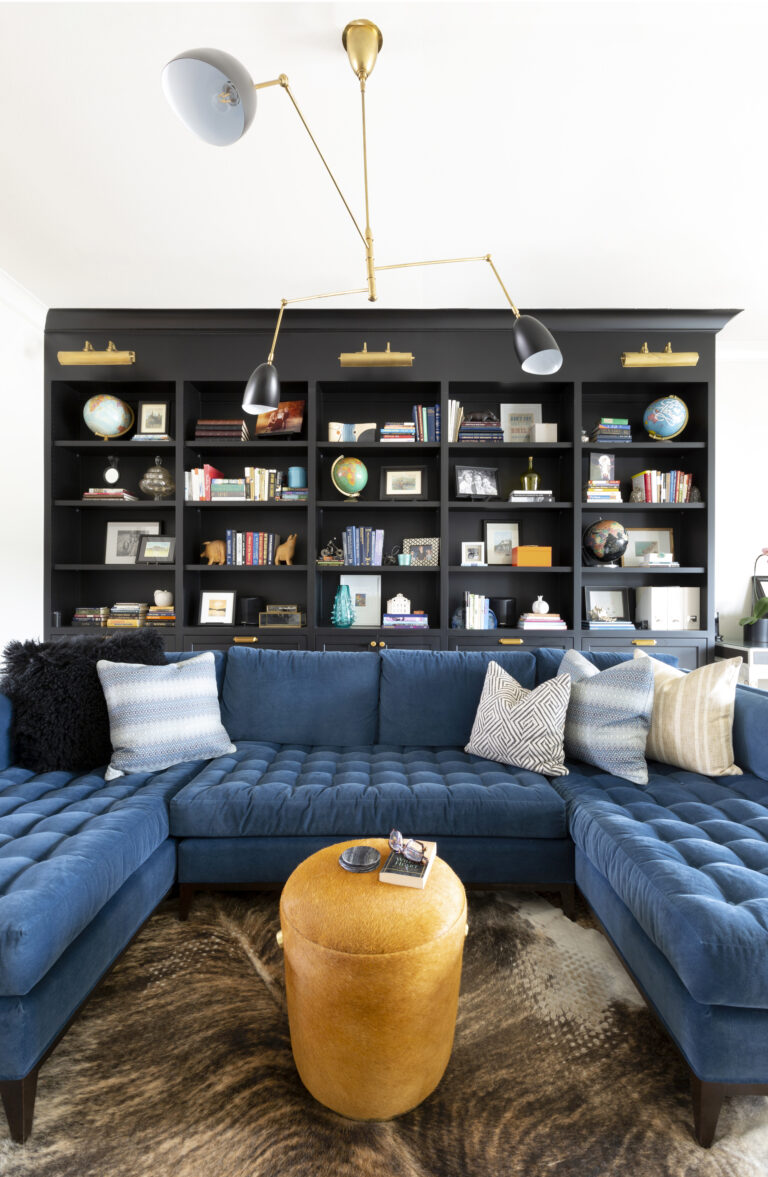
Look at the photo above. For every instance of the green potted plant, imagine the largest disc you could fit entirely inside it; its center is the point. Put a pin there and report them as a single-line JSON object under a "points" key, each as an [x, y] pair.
{"points": [[756, 625]]}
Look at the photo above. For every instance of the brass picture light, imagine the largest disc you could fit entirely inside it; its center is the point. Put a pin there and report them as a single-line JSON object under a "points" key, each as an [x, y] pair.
{"points": [[214, 95]]}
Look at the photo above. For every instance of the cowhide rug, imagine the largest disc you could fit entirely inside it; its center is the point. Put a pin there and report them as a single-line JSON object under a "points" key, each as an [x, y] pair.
{"points": [[180, 1066]]}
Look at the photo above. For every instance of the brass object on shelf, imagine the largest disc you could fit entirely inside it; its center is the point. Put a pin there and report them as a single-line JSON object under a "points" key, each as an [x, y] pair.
{"points": [[659, 359], [376, 359], [89, 357], [158, 482]]}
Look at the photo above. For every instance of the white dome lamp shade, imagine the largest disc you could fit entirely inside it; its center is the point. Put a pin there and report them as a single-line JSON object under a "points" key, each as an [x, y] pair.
{"points": [[535, 346], [212, 93]]}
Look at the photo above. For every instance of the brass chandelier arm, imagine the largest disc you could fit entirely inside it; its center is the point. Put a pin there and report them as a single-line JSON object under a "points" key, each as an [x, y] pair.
{"points": [[285, 302], [283, 81], [450, 261]]}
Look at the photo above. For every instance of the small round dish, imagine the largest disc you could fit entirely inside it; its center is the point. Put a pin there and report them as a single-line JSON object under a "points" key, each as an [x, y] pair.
{"points": [[360, 859]]}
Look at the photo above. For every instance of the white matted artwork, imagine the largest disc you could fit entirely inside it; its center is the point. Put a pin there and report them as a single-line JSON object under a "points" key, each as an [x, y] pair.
{"points": [[517, 421], [646, 540], [365, 592], [124, 538], [472, 553]]}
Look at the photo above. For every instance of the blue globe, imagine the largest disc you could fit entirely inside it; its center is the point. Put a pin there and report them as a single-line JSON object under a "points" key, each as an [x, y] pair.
{"points": [[665, 418]]}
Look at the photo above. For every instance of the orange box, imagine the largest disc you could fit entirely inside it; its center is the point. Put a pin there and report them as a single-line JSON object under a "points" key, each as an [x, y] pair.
{"points": [[532, 556]]}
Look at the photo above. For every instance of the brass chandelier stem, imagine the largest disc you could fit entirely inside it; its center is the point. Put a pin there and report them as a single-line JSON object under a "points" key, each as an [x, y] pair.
{"points": [[283, 81], [369, 259], [285, 302]]}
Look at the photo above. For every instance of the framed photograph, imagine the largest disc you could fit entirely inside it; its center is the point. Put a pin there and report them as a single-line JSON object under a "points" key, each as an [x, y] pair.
{"points": [[501, 536], [217, 608], [156, 549], [365, 592], [477, 482], [472, 554], [424, 553], [403, 482], [153, 417], [517, 421], [643, 540], [124, 538], [288, 417], [612, 603], [601, 467]]}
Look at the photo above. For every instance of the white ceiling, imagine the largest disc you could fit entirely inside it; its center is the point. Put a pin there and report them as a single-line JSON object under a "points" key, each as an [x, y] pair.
{"points": [[607, 153]]}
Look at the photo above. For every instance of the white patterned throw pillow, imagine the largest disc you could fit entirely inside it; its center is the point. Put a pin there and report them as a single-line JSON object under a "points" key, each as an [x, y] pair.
{"points": [[162, 715], [609, 715], [519, 727]]}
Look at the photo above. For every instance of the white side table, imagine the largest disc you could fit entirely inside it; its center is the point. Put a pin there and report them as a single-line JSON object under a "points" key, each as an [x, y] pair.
{"points": [[754, 668]]}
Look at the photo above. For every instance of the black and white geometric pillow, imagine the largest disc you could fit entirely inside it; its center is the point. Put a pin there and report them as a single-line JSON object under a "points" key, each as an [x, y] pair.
{"points": [[519, 727]]}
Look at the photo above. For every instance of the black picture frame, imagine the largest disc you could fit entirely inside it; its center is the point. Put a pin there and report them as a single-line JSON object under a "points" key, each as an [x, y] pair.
{"points": [[759, 586], [392, 494], [149, 541], [613, 597], [477, 482], [161, 409]]}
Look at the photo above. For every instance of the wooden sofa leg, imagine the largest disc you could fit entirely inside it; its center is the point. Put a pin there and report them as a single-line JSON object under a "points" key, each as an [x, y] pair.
{"points": [[707, 1102], [568, 899], [186, 893], [19, 1103]]}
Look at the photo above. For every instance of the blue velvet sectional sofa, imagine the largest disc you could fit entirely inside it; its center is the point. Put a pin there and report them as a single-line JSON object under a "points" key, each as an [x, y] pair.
{"points": [[337, 745]]}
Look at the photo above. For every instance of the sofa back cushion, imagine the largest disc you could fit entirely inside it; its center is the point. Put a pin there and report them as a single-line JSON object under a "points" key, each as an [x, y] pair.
{"points": [[750, 731], [6, 719], [219, 661], [548, 659], [430, 698], [301, 696]]}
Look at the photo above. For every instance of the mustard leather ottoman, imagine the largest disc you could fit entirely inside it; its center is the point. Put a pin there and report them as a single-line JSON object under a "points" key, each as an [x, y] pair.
{"points": [[372, 974]]}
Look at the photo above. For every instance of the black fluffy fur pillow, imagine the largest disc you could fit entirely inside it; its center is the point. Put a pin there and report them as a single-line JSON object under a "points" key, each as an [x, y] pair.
{"points": [[60, 719]]}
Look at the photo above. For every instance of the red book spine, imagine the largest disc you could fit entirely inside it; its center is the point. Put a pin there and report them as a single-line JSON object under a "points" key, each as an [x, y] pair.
{"points": [[648, 491]]}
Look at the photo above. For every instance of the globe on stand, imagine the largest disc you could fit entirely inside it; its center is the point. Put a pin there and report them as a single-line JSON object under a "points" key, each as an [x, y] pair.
{"points": [[107, 416], [349, 476], [605, 542], [665, 418]]}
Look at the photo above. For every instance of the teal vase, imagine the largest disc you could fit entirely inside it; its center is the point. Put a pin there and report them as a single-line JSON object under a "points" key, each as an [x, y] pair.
{"points": [[343, 613]]}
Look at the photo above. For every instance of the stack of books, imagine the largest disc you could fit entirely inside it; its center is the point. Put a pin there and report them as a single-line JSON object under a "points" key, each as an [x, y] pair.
{"points": [[86, 615], [476, 611], [398, 431], [363, 546], [481, 431], [151, 437], [612, 429], [532, 496], [406, 621], [128, 615], [109, 494], [233, 428], [161, 616], [603, 490], [610, 626], [251, 548], [674, 487], [292, 494], [541, 621], [426, 418]]}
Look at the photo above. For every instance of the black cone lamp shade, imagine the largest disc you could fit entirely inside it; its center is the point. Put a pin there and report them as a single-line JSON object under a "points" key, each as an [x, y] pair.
{"points": [[262, 392], [212, 93], [536, 348]]}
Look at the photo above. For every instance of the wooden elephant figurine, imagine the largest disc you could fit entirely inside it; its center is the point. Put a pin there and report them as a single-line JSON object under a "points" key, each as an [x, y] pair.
{"points": [[284, 553], [215, 550]]}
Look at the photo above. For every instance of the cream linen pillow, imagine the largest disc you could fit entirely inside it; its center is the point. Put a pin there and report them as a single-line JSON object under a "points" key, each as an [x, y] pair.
{"points": [[692, 720]]}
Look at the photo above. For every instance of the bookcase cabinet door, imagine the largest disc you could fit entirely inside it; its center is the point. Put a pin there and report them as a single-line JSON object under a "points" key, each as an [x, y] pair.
{"points": [[690, 654]]}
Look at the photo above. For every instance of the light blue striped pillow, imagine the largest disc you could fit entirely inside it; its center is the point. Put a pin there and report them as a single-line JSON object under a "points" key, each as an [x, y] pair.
{"points": [[162, 715], [609, 715]]}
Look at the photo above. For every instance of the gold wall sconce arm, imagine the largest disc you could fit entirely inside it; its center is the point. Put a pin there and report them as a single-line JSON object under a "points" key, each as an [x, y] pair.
{"points": [[89, 357], [376, 359], [659, 359]]}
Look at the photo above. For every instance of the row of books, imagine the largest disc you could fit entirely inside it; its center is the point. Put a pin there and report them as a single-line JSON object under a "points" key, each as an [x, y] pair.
{"points": [[205, 484], [363, 546], [423, 426], [541, 621], [476, 611], [658, 487], [611, 429], [89, 615], [234, 428], [405, 621], [251, 548], [128, 615]]}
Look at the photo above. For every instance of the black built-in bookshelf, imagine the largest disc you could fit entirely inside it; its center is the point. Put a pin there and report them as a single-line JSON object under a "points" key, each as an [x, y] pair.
{"points": [[199, 361]]}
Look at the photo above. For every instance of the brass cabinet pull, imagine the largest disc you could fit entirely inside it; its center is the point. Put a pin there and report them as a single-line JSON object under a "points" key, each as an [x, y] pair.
{"points": [[244, 641], [382, 645], [373, 645], [643, 641], [511, 641]]}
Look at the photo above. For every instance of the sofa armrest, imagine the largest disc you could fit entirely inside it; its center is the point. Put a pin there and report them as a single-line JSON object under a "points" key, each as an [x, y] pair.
{"points": [[6, 715], [750, 730]]}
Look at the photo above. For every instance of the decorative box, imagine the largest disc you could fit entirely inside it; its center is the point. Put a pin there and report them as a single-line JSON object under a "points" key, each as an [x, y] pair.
{"points": [[532, 556], [543, 432]]}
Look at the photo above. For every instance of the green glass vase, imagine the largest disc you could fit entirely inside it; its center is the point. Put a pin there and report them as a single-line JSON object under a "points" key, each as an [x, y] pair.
{"points": [[343, 613], [530, 480]]}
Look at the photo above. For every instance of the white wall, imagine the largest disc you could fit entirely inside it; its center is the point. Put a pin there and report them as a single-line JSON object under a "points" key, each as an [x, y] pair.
{"points": [[22, 319], [741, 463]]}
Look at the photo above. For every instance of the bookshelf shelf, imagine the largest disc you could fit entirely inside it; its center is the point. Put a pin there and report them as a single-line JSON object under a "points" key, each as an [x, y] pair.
{"points": [[198, 362]]}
